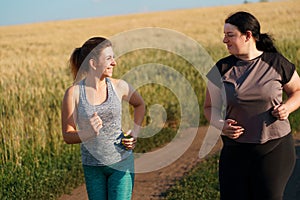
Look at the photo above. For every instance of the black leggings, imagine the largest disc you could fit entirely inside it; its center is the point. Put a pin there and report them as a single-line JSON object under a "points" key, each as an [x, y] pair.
{"points": [[256, 171]]}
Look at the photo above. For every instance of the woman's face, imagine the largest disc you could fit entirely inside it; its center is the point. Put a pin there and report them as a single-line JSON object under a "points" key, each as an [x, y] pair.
{"points": [[234, 40], [106, 62]]}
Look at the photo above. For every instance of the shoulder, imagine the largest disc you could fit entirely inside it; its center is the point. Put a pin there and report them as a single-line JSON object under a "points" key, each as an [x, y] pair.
{"points": [[119, 84], [281, 64], [70, 90], [73, 89], [226, 63], [275, 58], [72, 93], [220, 68], [227, 59], [121, 87]]}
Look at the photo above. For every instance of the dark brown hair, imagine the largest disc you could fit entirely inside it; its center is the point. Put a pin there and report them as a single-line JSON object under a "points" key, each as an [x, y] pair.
{"points": [[90, 49], [245, 21]]}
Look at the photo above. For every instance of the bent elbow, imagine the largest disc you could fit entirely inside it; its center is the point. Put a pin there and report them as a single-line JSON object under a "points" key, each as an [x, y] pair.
{"points": [[68, 139]]}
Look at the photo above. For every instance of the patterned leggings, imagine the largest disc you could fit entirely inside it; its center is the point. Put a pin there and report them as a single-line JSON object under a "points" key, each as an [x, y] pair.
{"points": [[113, 182]]}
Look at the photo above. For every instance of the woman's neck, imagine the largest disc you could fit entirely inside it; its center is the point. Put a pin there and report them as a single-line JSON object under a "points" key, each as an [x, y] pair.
{"points": [[250, 55], [95, 82]]}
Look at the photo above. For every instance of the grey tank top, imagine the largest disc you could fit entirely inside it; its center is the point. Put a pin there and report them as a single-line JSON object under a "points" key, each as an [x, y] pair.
{"points": [[106, 148]]}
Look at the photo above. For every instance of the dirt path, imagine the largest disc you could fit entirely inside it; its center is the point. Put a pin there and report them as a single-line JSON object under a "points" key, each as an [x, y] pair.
{"points": [[150, 186]]}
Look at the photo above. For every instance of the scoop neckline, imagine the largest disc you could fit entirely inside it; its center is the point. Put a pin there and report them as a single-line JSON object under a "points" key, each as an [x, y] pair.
{"points": [[107, 97]]}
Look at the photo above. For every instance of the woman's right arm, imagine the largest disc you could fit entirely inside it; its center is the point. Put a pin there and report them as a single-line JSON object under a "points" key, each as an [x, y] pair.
{"points": [[68, 117], [213, 113], [213, 106]]}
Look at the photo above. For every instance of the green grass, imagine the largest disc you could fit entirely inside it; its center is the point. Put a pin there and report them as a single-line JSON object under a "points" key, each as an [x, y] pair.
{"points": [[41, 176], [201, 183]]}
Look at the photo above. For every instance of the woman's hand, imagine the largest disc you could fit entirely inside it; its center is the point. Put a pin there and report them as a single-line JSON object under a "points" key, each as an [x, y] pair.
{"points": [[129, 141], [96, 123], [231, 130], [280, 112]]}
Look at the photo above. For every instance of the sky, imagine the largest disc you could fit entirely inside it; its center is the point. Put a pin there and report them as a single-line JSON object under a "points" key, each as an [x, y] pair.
{"points": [[14, 12]]}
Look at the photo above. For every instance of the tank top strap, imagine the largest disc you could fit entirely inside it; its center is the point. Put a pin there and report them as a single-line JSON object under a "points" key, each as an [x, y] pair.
{"points": [[112, 93], [109, 86], [81, 90]]}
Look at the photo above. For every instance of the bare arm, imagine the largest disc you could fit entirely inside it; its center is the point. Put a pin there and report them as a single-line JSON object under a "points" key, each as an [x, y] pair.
{"points": [[213, 106], [213, 113], [68, 117], [134, 99], [292, 89], [127, 93]]}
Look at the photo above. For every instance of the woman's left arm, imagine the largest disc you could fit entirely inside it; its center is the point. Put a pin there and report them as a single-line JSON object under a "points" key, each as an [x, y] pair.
{"points": [[127, 93], [135, 99], [292, 89]]}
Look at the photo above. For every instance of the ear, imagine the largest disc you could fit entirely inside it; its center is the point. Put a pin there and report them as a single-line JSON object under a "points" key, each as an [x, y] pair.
{"points": [[248, 35], [92, 63]]}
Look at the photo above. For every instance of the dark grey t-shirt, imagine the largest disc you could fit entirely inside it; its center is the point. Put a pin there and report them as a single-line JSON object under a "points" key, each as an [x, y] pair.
{"points": [[252, 88]]}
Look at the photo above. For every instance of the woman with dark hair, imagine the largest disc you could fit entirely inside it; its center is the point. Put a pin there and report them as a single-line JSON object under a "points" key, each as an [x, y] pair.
{"points": [[91, 115], [244, 99]]}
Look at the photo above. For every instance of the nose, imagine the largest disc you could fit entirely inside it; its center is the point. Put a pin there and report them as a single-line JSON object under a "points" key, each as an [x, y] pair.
{"points": [[225, 39], [113, 63]]}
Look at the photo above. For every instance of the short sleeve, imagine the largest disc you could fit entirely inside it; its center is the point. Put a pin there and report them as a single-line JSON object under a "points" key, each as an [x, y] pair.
{"points": [[214, 76], [282, 65], [288, 70], [219, 69]]}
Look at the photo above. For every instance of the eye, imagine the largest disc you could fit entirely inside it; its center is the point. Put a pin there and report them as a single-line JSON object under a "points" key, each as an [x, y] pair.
{"points": [[230, 35]]}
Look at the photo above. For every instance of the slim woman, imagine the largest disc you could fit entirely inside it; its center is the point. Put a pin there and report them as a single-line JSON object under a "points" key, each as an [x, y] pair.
{"points": [[246, 90], [91, 115]]}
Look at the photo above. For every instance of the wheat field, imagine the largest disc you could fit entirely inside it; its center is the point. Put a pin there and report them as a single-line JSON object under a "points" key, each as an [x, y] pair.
{"points": [[34, 75]]}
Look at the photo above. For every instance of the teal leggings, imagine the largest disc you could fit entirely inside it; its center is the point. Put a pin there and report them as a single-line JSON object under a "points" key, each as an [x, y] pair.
{"points": [[113, 182]]}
